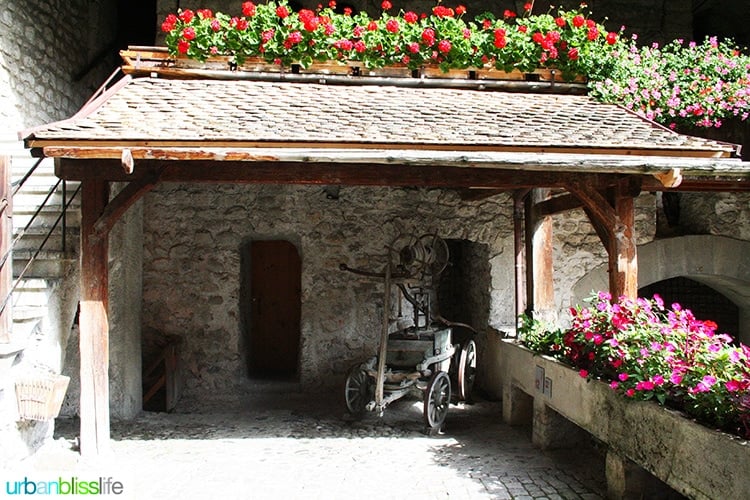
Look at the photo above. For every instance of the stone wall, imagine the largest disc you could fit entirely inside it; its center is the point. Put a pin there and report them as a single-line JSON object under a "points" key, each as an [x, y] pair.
{"points": [[192, 240], [45, 49]]}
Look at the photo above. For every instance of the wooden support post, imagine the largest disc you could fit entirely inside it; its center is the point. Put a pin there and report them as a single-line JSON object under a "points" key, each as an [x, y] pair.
{"points": [[614, 220], [518, 244], [6, 229], [94, 323], [540, 287], [623, 262]]}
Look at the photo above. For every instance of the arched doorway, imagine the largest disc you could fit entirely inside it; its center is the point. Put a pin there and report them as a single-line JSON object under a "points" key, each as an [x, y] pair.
{"points": [[717, 262]]}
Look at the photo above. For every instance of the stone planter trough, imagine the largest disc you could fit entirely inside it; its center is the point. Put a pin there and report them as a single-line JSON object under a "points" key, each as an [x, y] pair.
{"points": [[641, 437]]}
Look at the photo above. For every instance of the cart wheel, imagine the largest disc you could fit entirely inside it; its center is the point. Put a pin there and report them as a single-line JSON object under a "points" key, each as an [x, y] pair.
{"points": [[437, 398], [359, 390], [467, 370]]}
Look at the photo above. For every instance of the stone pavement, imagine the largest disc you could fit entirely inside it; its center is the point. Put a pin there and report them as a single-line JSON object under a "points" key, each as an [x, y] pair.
{"points": [[293, 446]]}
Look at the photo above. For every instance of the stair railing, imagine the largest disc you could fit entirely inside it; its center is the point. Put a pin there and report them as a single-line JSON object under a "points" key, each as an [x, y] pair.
{"points": [[61, 220]]}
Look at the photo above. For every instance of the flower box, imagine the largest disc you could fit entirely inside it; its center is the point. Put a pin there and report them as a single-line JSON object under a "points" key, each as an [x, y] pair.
{"points": [[157, 58], [694, 460], [40, 397]]}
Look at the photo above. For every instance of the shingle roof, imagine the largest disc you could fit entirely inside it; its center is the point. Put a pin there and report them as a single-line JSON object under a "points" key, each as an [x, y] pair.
{"points": [[262, 112]]}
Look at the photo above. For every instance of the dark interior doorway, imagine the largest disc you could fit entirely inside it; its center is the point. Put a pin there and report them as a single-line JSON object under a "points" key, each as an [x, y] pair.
{"points": [[270, 303], [464, 287]]}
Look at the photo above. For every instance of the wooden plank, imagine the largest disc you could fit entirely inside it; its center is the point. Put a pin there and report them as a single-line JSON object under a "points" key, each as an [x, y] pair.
{"points": [[81, 147], [318, 173], [94, 324], [558, 204], [6, 228]]}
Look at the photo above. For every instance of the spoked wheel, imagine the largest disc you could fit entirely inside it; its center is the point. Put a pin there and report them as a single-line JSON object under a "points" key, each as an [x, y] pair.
{"points": [[467, 370], [437, 398], [359, 390]]}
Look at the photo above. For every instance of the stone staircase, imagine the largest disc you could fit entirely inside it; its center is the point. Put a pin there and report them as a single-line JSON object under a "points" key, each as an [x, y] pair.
{"points": [[45, 300]]}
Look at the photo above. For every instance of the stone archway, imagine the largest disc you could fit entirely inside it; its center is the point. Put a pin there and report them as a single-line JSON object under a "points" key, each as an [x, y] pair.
{"points": [[716, 261]]}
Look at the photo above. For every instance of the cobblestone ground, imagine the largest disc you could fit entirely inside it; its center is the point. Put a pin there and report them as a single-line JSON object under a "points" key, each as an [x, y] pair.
{"points": [[275, 446]]}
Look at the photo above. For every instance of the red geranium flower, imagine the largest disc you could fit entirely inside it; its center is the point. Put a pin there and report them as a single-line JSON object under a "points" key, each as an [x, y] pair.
{"points": [[578, 21], [573, 54], [428, 36], [509, 14], [560, 22], [169, 23], [282, 11], [611, 38], [411, 17], [460, 10], [392, 26], [386, 5], [444, 46], [183, 46], [248, 9], [186, 16], [188, 33]]}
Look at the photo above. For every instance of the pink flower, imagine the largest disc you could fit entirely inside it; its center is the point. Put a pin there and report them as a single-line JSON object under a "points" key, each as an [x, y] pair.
{"points": [[630, 393], [645, 385], [623, 377], [614, 384], [583, 373], [413, 47], [733, 386]]}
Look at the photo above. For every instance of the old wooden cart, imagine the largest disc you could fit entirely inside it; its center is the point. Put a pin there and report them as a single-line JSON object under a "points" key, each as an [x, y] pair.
{"points": [[421, 359]]}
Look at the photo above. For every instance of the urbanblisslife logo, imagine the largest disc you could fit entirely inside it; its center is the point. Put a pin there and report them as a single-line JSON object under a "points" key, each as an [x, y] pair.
{"points": [[65, 486]]}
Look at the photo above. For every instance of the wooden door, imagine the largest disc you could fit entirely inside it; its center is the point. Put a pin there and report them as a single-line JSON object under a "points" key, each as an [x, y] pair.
{"points": [[274, 323]]}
